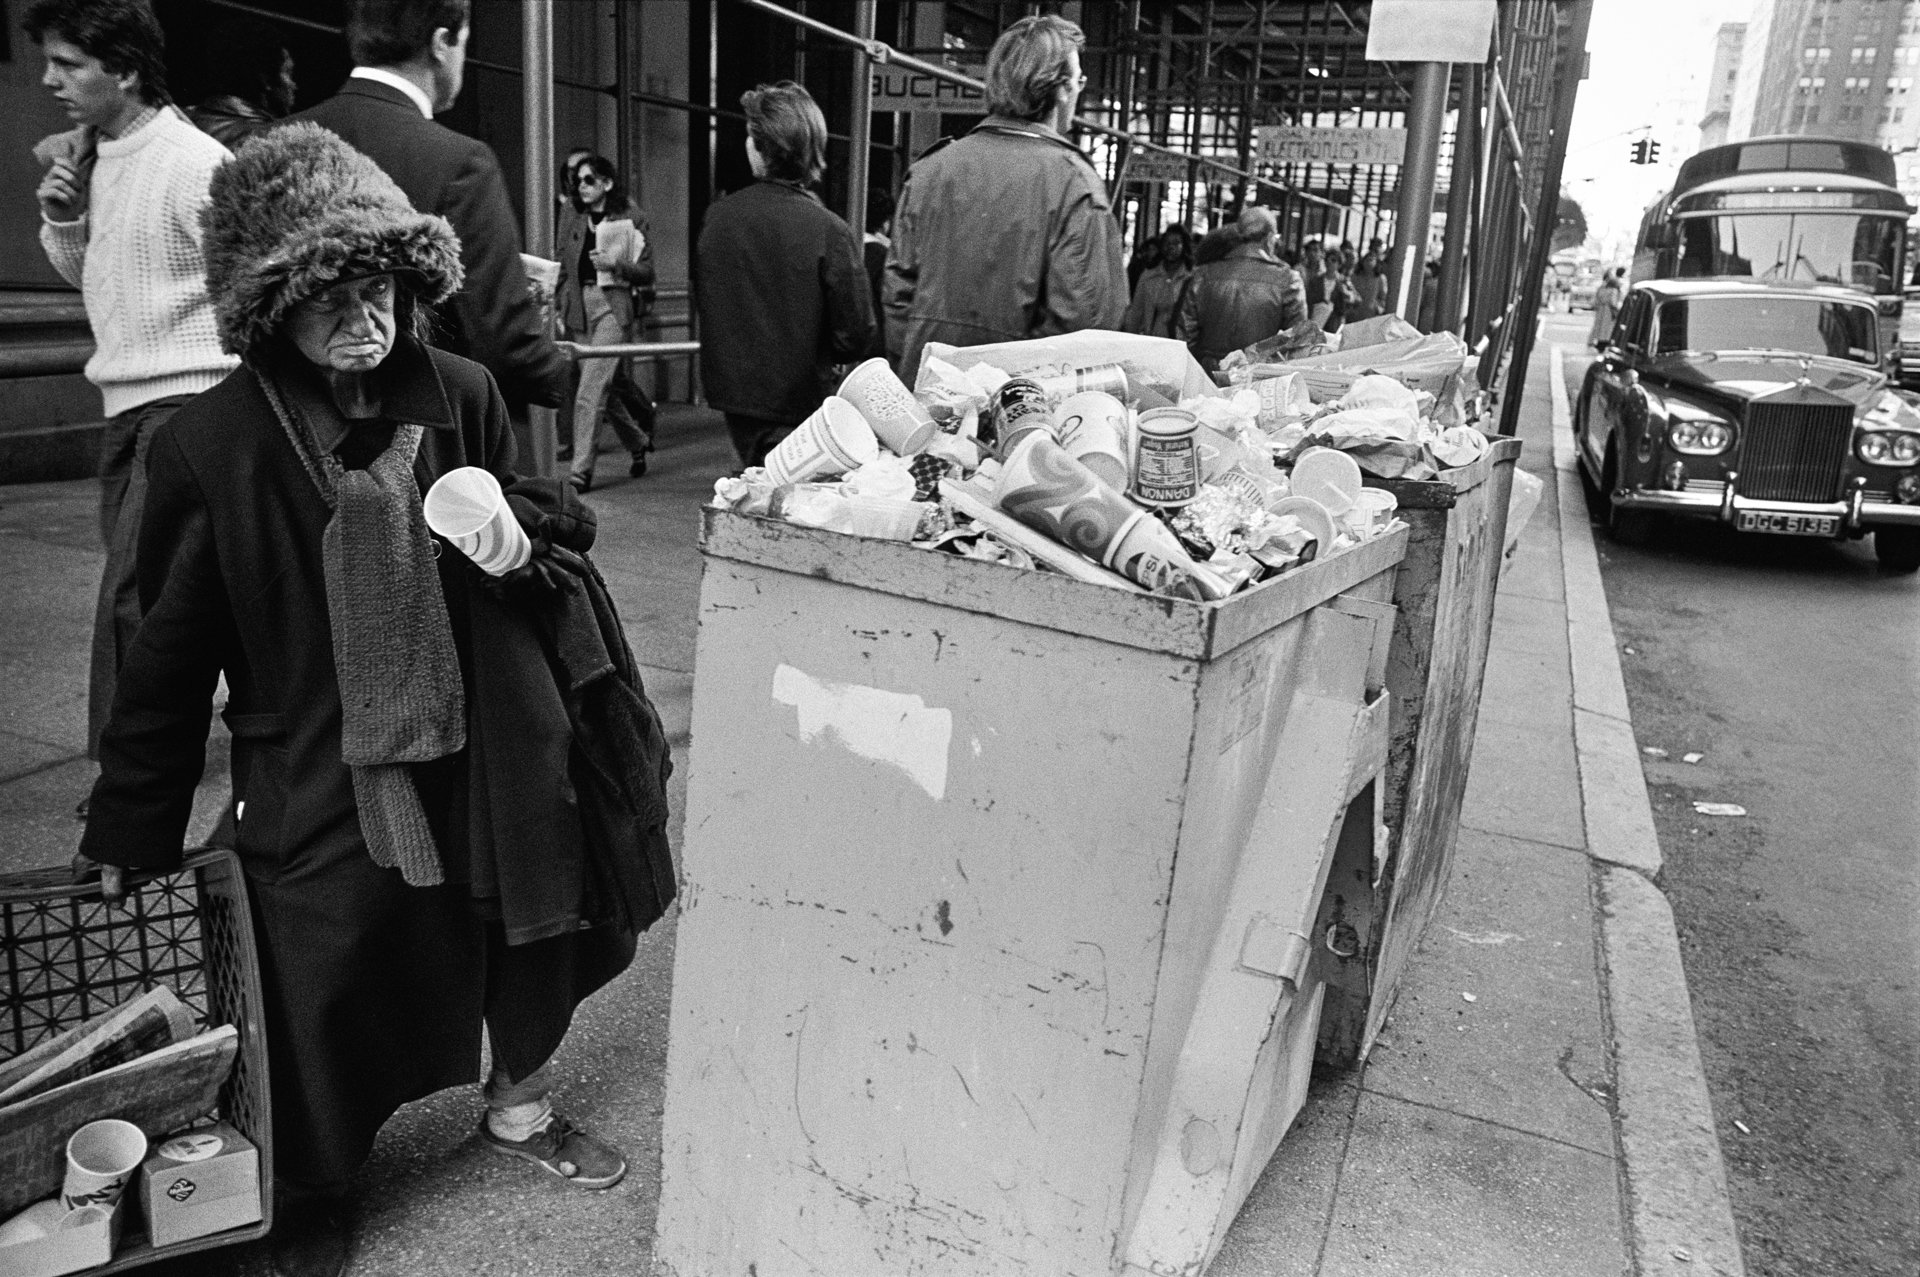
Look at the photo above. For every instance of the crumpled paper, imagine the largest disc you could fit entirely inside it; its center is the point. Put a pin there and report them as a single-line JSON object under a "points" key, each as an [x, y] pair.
{"points": [[885, 476]]}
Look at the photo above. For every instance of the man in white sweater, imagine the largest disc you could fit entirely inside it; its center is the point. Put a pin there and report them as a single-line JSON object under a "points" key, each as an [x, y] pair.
{"points": [[120, 210]]}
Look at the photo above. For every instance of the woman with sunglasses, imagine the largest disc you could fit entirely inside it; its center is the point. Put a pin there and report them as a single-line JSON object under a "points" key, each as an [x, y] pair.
{"points": [[605, 259]]}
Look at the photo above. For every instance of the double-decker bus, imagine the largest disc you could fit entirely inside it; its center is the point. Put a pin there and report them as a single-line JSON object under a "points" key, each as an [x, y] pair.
{"points": [[1820, 209]]}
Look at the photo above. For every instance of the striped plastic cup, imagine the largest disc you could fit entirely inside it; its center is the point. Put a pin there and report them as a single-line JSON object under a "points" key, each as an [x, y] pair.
{"points": [[467, 507]]}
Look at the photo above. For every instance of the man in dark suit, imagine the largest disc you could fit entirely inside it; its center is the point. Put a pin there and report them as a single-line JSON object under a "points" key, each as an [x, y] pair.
{"points": [[409, 61]]}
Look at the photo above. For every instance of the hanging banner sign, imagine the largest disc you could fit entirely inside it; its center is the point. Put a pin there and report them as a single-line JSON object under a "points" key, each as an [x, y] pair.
{"points": [[1302, 144], [1152, 166], [895, 88]]}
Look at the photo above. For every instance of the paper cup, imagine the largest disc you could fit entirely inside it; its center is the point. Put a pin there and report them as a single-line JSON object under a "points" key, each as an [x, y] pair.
{"points": [[1046, 489], [897, 418], [1093, 430], [467, 507], [101, 1158], [834, 440], [1329, 476]]}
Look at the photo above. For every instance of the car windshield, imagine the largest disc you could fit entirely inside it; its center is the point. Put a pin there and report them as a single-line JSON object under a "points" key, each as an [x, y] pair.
{"points": [[1797, 325]]}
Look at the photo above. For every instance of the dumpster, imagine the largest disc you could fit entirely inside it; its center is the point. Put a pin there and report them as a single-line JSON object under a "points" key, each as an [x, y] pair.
{"points": [[1004, 929], [1444, 594]]}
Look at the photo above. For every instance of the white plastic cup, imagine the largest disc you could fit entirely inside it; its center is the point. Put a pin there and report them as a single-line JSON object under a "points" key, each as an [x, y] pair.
{"points": [[101, 1158], [834, 440], [467, 507], [1093, 430], [897, 418]]}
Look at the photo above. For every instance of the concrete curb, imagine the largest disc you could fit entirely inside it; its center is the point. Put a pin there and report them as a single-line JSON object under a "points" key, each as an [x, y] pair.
{"points": [[1673, 1182]]}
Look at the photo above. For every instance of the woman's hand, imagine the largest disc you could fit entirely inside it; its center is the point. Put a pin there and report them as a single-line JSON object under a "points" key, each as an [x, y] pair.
{"points": [[113, 879], [600, 260], [571, 349]]}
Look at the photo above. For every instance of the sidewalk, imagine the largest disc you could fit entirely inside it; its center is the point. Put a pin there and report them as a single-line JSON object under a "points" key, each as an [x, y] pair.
{"points": [[1534, 1106]]}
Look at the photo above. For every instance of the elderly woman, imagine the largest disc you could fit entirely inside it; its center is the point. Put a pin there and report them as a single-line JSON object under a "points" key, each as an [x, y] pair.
{"points": [[439, 827]]}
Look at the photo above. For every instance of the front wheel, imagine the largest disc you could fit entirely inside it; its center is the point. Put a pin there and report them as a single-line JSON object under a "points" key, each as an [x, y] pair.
{"points": [[1898, 549]]}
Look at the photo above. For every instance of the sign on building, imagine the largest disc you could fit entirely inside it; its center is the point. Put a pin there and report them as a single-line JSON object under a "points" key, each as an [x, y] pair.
{"points": [[1154, 166], [896, 88], [1303, 144]]}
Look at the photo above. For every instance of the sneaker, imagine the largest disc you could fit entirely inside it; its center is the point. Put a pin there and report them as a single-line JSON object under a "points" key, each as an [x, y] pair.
{"points": [[583, 1160]]}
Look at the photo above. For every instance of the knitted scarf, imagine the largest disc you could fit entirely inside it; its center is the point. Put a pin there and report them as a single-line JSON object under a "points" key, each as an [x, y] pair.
{"points": [[401, 696]]}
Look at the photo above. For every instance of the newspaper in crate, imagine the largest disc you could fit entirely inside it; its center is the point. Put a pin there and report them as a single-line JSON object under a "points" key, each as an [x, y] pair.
{"points": [[1307, 144], [155, 1019]]}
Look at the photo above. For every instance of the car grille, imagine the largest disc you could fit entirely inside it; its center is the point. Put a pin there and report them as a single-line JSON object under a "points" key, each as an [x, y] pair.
{"points": [[1794, 452]]}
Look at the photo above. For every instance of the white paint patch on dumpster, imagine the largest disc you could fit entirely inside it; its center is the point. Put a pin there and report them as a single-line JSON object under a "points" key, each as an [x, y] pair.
{"points": [[894, 728]]}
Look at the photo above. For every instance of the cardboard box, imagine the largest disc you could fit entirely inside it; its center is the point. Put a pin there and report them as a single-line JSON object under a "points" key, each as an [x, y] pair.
{"points": [[74, 1241], [200, 1182]]}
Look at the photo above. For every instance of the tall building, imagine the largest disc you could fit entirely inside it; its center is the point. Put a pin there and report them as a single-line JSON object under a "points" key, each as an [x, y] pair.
{"points": [[1720, 82]]}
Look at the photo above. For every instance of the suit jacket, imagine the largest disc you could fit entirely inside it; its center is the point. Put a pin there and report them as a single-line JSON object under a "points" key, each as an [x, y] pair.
{"points": [[493, 318]]}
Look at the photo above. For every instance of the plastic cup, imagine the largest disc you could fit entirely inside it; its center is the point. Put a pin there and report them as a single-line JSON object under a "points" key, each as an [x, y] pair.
{"points": [[1046, 489], [897, 418], [834, 440], [467, 507], [1093, 430], [101, 1158]]}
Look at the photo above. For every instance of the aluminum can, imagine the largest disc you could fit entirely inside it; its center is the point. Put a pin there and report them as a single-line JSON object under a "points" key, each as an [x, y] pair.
{"points": [[1166, 458], [1020, 405], [1108, 379]]}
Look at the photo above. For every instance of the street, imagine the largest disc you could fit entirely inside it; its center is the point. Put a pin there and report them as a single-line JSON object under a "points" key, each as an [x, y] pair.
{"points": [[1790, 667]]}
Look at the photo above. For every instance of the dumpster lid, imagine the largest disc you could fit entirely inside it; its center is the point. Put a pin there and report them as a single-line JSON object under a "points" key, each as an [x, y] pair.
{"points": [[1175, 626]]}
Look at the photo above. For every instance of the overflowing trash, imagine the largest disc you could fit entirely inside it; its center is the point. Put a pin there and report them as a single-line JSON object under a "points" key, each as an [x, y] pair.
{"points": [[1113, 458]]}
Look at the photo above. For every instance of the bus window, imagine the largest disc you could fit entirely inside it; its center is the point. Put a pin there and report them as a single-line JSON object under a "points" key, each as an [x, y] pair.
{"points": [[1852, 250]]}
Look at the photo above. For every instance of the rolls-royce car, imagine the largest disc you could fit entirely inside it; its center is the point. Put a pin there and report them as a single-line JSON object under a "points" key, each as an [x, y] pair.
{"points": [[1764, 405]]}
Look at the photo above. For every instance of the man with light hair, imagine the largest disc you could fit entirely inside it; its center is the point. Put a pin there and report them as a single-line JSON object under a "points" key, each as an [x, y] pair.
{"points": [[1245, 297], [1007, 233]]}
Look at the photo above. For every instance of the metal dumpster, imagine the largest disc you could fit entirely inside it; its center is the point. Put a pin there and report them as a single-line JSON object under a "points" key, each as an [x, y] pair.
{"points": [[1003, 938], [1444, 593]]}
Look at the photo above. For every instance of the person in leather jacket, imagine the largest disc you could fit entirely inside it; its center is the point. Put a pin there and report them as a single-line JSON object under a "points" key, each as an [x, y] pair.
{"points": [[1243, 298]]}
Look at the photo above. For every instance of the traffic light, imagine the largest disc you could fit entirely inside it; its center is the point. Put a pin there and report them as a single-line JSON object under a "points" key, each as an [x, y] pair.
{"points": [[1653, 152], [1640, 149]]}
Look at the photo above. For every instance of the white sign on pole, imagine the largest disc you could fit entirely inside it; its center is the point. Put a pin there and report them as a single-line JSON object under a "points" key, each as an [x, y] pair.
{"points": [[895, 88], [1430, 30], [1302, 144]]}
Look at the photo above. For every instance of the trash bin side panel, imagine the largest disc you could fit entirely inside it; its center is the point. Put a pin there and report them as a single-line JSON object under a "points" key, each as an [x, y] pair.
{"points": [[927, 863], [1427, 783]]}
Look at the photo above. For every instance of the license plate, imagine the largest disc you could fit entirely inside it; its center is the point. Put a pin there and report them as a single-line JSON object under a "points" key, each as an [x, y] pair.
{"points": [[1798, 525]]}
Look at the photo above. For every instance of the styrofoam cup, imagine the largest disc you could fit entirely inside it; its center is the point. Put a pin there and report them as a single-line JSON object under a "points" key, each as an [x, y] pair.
{"points": [[897, 418], [834, 440], [101, 1158], [467, 507], [1329, 476], [1093, 430]]}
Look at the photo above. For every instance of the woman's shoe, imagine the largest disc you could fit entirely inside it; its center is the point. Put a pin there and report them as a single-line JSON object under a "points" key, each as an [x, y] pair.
{"points": [[580, 482], [639, 466]]}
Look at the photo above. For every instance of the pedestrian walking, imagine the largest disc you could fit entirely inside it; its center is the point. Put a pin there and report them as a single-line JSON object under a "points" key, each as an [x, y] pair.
{"points": [[1369, 288], [248, 78], [874, 246], [1007, 233], [120, 219], [410, 60], [449, 787], [1244, 297], [1156, 297], [606, 274], [1606, 306], [778, 280]]}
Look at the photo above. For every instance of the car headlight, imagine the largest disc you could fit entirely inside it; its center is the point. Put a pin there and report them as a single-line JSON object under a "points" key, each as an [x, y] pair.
{"points": [[1700, 438], [1889, 448]]}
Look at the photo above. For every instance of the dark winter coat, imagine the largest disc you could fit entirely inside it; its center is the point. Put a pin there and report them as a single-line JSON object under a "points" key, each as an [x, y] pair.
{"points": [[783, 298], [493, 318], [1247, 296], [1003, 235]]}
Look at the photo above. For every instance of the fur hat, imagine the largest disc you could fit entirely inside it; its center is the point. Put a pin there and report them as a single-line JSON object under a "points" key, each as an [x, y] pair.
{"points": [[297, 210]]}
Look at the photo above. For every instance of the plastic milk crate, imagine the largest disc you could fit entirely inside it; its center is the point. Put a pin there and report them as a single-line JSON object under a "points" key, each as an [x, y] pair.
{"points": [[65, 957]]}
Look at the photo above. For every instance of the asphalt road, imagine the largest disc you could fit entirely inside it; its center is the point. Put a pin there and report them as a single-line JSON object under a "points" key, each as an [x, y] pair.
{"points": [[1792, 667]]}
